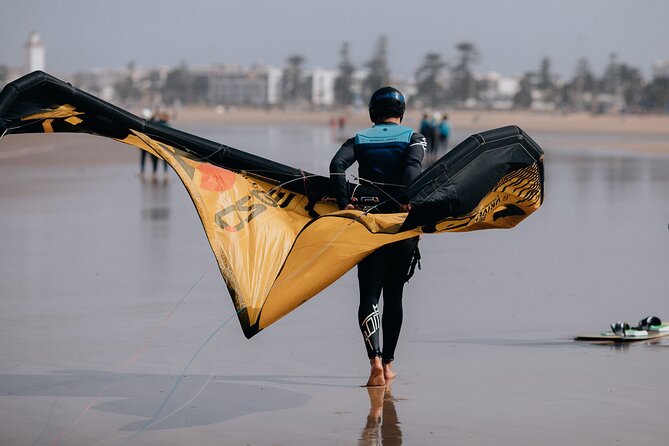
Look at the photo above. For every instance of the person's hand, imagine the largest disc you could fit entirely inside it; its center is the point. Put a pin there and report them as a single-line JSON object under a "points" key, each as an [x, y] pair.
{"points": [[405, 207], [350, 207]]}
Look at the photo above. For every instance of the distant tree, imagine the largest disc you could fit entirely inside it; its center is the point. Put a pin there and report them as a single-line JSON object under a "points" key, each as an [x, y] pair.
{"points": [[631, 85], [429, 84], [4, 72], [611, 82], [463, 85], [154, 85], [343, 87], [293, 82], [178, 85], [200, 88], [584, 79], [655, 95], [623, 81], [126, 90], [545, 77], [545, 81], [563, 97], [583, 86], [379, 74]]}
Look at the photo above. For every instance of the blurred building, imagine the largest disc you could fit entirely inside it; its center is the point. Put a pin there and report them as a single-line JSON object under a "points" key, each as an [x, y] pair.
{"points": [[661, 69], [322, 87], [257, 86], [35, 54], [496, 91], [314, 89]]}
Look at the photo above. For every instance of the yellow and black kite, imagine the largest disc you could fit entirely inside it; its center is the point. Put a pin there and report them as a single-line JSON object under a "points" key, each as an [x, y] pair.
{"points": [[277, 237]]}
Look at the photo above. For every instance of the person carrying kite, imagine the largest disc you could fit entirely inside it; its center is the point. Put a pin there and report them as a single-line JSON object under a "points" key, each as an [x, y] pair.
{"points": [[389, 157]]}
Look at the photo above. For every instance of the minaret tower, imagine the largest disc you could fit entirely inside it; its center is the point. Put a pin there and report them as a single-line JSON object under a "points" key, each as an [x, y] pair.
{"points": [[35, 54]]}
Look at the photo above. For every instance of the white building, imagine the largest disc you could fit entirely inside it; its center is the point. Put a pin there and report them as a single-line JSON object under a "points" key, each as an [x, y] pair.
{"points": [[274, 77], [497, 91], [257, 86], [661, 69], [322, 87], [35, 53]]}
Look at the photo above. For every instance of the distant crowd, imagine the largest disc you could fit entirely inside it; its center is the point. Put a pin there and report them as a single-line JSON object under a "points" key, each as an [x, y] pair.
{"points": [[437, 130]]}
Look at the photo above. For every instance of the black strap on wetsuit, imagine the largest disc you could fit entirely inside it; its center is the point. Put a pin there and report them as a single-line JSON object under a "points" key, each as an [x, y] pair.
{"points": [[415, 261]]}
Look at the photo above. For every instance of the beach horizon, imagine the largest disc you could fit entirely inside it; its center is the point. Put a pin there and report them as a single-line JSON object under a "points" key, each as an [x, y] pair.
{"points": [[639, 133]]}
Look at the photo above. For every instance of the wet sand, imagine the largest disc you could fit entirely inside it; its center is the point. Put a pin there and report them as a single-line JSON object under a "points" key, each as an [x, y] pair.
{"points": [[624, 127], [116, 327]]}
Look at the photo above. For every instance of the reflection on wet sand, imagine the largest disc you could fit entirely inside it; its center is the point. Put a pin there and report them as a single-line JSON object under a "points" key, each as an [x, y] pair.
{"points": [[382, 426], [85, 280], [625, 346], [155, 200]]}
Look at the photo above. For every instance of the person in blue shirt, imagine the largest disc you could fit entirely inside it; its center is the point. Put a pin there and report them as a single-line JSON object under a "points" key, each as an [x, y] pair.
{"points": [[389, 157]]}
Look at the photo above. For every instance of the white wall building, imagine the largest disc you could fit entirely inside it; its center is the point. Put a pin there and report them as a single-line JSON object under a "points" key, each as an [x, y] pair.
{"points": [[274, 77], [35, 53], [322, 87], [497, 91], [257, 86], [661, 69]]}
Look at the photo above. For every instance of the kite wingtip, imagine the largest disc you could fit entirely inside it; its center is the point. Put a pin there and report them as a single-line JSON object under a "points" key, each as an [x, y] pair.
{"points": [[250, 330]]}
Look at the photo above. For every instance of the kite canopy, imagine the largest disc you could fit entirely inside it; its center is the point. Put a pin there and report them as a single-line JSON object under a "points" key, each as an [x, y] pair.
{"points": [[278, 237]]}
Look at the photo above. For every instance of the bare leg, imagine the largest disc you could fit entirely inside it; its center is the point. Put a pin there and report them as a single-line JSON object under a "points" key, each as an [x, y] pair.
{"points": [[376, 377], [388, 372]]}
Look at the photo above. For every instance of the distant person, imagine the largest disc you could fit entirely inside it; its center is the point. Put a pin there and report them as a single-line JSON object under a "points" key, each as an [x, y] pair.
{"points": [[342, 122], [161, 119], [389, 157], [444, 132], [428, 129], [143, 155]]}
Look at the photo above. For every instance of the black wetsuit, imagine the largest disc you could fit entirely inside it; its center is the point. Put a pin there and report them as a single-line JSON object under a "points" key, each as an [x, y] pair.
{"points": [[389, 157]]}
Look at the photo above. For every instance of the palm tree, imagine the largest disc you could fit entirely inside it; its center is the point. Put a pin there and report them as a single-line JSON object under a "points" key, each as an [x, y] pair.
{"points": [[429, 85], [293, 87], [343, 88], [379, 74], [463, 85]]}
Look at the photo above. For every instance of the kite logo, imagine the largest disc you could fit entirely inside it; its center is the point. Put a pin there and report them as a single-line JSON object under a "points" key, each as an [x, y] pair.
{"points": [[242, 206], [283, 199], [371, 325], [483, 213]]}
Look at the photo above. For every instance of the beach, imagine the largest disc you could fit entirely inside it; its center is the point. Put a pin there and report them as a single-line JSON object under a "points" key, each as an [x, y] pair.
{"points": [[117, 328], [623, 127]]}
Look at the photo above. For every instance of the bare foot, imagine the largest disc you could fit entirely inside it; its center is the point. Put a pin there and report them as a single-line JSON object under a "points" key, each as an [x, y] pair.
{"points": [[376, 377], [388, 372]]}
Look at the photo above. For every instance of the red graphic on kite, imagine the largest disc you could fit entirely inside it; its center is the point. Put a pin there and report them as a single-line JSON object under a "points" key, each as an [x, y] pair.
{"points": [[215, 179]]}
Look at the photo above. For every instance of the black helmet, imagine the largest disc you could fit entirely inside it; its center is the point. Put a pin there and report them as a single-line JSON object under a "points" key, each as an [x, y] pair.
{"points": [[386, 102]]}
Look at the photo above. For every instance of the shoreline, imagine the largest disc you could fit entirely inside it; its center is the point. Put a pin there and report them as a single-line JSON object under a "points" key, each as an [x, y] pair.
{"points": [[639, 133], [536, 121], [633, 133]]}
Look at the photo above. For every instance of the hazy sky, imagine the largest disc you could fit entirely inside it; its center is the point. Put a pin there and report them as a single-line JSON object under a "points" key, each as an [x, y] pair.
{"points": [[512, 36]]}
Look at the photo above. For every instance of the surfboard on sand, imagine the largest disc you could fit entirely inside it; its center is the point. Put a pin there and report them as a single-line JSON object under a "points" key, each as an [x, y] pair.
{"points": [[621, 332]]}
